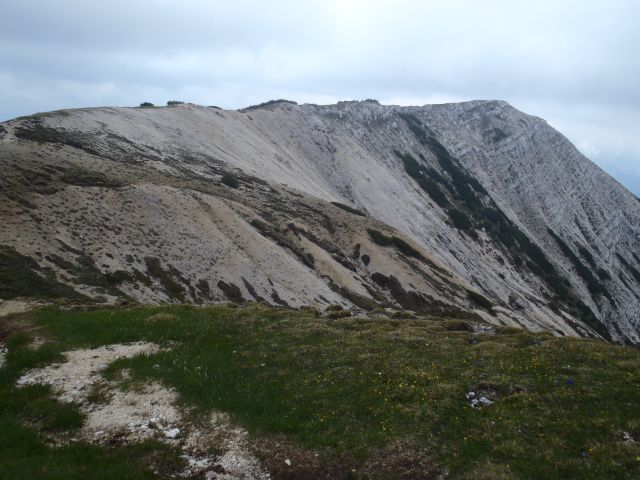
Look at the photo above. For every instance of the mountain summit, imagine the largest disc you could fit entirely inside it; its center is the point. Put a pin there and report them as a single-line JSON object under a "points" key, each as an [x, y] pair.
{"points": [[472, 209]]}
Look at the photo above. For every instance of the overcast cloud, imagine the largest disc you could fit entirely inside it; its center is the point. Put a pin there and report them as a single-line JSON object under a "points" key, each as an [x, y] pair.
{"points": [[574, 63]]}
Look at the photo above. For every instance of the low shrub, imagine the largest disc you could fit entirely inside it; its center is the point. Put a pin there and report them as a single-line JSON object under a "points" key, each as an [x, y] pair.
{"points": [[172, 288], [230, 181], [411, 165], [457, 326], [480, 300], [379, 237], [231, 291], [339, 314], [349, 209], [269, 104], [433, 190], [459, 219], [334, 308], [405, 248]]}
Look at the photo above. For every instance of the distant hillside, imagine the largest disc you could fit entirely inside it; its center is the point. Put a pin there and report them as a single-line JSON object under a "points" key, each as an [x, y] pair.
{"points": [[473, 209]]}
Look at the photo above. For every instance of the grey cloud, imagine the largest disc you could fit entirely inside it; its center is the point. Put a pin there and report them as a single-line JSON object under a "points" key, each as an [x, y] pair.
{"points": [[571, 62]]}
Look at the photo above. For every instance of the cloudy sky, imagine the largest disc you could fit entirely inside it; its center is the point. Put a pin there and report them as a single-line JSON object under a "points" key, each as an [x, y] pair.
{"points": [[574, 63]]}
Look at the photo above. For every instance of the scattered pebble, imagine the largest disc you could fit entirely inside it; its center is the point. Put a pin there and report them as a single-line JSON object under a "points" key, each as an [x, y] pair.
{"points": [[156, 421], [288, 462], [172, 434], [478, 402], [3, 354], [480, 328]]}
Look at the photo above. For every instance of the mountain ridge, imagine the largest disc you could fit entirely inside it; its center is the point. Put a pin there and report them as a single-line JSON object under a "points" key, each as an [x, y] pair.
{"points": [[476, 186]]}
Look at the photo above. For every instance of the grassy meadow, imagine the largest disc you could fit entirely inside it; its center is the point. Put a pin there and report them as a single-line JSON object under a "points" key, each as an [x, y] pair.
{"points": [[344, 398]]}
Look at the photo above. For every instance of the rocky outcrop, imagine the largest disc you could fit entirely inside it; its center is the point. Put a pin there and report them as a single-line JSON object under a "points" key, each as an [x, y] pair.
{"points": [[472, 207]]}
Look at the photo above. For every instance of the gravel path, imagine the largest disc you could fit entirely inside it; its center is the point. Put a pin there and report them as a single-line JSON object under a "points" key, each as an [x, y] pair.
{"points": [[150, 411]]}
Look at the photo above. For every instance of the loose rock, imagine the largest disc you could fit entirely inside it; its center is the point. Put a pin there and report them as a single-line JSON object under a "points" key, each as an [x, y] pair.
{"points": [[3, 355]]}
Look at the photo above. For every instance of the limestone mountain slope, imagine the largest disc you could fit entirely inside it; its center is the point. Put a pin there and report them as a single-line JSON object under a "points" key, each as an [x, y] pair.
{"points": [[473, 208]]}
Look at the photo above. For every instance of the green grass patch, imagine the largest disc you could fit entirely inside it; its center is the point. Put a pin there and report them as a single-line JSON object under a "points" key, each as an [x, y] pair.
{"points": [[30, 418], [354, 385]]}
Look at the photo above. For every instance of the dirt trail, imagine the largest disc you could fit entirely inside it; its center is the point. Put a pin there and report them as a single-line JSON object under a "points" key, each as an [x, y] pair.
{"points": [[9, 307], [150, 411]]}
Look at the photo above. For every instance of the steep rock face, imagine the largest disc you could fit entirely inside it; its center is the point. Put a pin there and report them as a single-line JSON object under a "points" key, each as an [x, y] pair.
{"points": [[494, 201], [559, 196]]}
